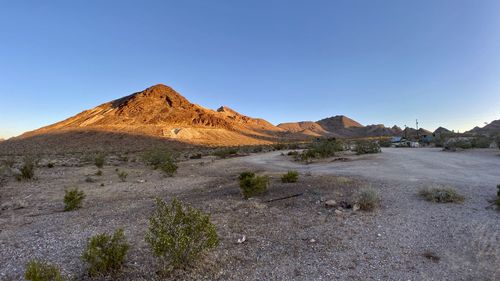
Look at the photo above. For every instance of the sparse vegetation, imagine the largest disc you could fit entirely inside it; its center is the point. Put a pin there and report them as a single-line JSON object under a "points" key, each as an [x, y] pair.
{"points": [[293, 153], [481, 142], [73, 199], [290, 176], [122, 175], [50, 165], [367, 199], [28, 168], [195, 156], [9, 162], [98, 173], [252, 185], [321, 149], [105, 253], [42, 271], [367, 147], [99, 160], [178, 234], [441, 195], [497, 201], [161, 159], [385, 143], [226, 152]]}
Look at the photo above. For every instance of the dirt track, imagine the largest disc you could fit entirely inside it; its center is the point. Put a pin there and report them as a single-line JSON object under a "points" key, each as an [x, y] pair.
{"points": [[473, 168]]}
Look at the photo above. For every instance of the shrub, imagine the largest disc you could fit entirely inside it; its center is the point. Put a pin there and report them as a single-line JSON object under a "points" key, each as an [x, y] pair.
{"points": [[195, 156], [161, 159], [367, 199], [441, 195], [73, 199], [367, 147], [42, 271], [99, 160], [28, 168], [178, 234], [9, 162], [252, 185], [50, 165], [322, 149], [106, 253], [293, 153], [290, 176], [497, 201], [98, 173], [481, 142], [122, 175], [385, 143], [226, 152]]}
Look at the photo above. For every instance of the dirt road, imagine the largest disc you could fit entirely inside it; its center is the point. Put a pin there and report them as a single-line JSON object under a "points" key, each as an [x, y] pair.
{"points": [[474, 168]]}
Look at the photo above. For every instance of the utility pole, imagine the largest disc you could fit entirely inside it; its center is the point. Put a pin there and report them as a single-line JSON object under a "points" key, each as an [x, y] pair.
{"points": [[418, 133]]}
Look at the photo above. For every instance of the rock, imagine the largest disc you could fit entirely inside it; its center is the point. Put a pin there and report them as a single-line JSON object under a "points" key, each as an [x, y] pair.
{"points": [[355, 207], [331, 203], [242, 240], [338, 212], [141, 181], [312, 241]]}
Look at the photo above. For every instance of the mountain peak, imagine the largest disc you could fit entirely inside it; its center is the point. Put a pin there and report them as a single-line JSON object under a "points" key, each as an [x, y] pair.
{"points": [[339, 121]]}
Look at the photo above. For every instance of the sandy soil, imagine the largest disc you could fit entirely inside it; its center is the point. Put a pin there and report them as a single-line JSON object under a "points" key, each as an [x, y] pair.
{"points": [[293, 239]]}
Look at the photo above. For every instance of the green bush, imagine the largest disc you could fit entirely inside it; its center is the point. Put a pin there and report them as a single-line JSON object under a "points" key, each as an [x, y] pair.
{"points": [[99, 160], [367, 147], [178, 234], [161, 159], [290, 176], [42, 271], [441, 195], [385, 143], [323, 148], [122, 175], [73, 199], [226, 152], [105, 253], [367, 199], [481, 142], [28, 168], [252, 185]]}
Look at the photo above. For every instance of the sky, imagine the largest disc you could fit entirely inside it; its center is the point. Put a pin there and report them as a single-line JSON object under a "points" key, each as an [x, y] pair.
{"points": [[375, 61]]}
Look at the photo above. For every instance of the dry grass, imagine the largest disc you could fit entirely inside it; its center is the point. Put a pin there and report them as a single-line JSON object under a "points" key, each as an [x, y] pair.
{"points": [[440, 194]]}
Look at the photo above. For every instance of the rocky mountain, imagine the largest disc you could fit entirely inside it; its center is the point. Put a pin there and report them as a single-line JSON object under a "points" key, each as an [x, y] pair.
{"points": [[441, 131], [492, 129], [339, 126], [160, 111]]}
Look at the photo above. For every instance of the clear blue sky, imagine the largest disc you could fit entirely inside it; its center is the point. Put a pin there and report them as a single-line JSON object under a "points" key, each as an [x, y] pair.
{"points": [[375, 61]]}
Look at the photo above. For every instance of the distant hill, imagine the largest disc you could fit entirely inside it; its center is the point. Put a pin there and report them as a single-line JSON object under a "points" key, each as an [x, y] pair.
{"points": [[339, 126], [159, 111], [492, 129]]}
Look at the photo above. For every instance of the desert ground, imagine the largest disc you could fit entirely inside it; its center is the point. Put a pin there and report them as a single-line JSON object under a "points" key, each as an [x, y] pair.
{"points": [[299, 238]]}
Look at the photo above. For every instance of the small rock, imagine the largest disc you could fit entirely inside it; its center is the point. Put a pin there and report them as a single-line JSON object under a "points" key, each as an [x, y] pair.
{"points": [[379, 235], [242, 240], [330, 203], [312, 241], [141, 181], [338, 212], [355, 207]]}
